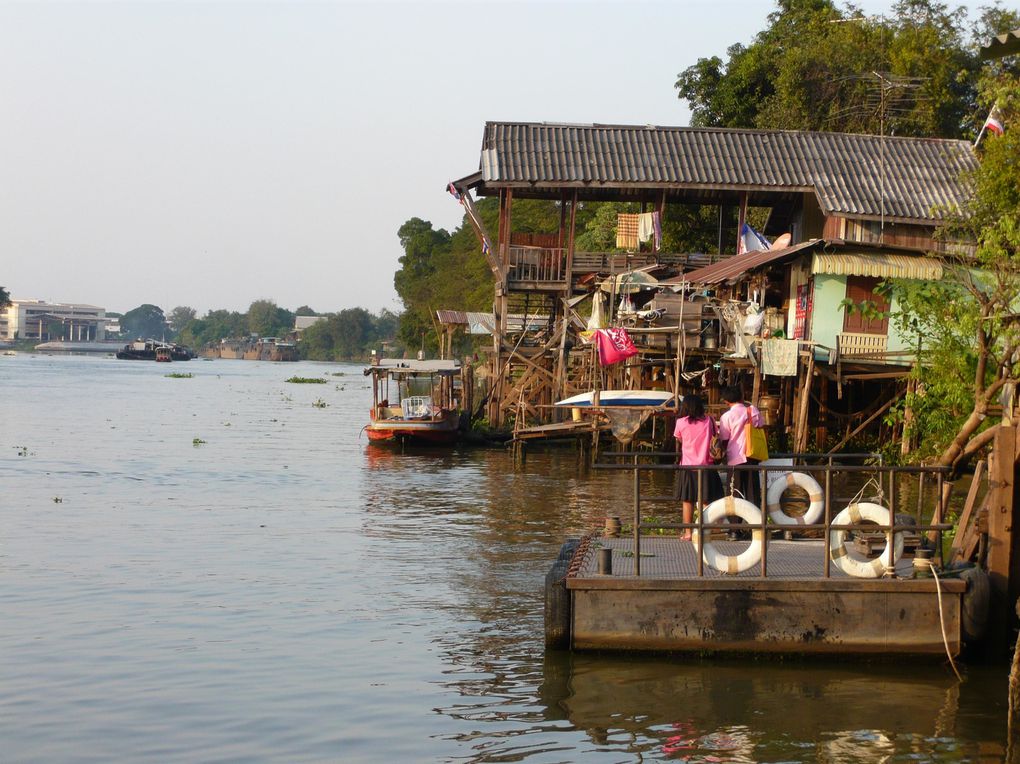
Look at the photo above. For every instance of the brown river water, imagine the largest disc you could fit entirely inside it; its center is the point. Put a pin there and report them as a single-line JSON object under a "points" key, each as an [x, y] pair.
{"points": [[216, 569]]}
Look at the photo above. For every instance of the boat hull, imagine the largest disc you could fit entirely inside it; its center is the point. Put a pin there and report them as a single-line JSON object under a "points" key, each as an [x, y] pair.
{"points": [[439, 431], [613, 398]]}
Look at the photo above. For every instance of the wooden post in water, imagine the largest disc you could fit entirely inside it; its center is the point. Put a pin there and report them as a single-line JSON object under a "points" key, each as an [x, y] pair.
{"points": [[1003, 554]]}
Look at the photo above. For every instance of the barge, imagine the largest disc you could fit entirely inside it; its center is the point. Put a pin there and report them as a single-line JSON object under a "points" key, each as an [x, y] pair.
{"points": [[818, 589]]}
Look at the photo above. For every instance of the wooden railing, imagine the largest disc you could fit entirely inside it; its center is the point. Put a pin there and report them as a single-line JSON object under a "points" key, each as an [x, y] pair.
{"points": [[537, 264]]}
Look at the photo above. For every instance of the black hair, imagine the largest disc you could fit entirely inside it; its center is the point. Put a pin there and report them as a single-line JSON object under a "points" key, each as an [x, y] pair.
{"points": [[692, 407], [732, 394]]}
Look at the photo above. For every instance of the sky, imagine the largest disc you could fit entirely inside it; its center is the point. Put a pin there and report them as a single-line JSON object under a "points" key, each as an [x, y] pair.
{"points": [[213, 154]]}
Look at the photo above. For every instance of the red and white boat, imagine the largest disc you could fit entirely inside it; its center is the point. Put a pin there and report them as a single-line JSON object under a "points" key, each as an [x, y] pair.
{"points": [[413, 402]]}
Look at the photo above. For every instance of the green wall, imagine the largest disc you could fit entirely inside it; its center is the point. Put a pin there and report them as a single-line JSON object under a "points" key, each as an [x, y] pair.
{"points": [[827, 316]]}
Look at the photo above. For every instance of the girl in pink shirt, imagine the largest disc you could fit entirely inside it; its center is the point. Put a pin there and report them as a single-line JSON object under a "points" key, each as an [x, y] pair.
{"points": [[694, 431]]}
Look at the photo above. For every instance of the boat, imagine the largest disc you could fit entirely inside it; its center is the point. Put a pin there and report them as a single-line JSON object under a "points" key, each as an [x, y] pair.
{"points": [[402, 412], [253, 349], [613, 398], [152, 350]]}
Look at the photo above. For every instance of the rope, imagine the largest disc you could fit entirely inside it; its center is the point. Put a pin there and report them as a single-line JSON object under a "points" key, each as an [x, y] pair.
{"points": [[942, 619]]}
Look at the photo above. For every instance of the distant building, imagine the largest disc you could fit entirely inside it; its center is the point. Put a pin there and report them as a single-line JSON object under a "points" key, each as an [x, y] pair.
{"points": [[45, 321], [303, 322]]}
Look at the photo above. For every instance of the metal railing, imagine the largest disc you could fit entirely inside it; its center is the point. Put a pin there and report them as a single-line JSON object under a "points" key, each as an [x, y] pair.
{"points": [[829, 466]]}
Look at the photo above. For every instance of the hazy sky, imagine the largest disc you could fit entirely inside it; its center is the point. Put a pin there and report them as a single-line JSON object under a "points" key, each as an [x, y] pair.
{"points": [[213, 154]]}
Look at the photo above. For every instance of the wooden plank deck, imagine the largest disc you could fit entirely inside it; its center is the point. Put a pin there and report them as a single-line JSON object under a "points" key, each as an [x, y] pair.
{"points": [[667, 557]]}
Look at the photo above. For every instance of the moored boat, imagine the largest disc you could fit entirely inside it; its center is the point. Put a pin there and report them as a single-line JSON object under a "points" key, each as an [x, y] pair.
{"points": [[154, 350], [609, 398], [421, 410]]}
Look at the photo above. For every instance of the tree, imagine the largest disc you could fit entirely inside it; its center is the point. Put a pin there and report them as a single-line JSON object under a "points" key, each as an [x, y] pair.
{"points": [[304, 310], [144, 321], [5, 298], [266, 319], [967, 325], [180, 317], [814, 68]]}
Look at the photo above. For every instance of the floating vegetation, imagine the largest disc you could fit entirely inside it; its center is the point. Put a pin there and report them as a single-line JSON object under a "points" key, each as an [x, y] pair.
{"points": [[22, 450], [320, 404], [307, 380], [338, 374], [58, 500], [196, 442], [179, 375]]}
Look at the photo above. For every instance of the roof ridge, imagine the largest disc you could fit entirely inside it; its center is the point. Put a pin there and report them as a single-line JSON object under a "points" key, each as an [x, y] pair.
{"points": [[713, 129]]}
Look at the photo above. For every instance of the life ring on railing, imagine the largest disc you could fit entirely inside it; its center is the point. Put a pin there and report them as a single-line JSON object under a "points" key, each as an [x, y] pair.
{"points": [[851, 563], [814, 491], [730, 506]]}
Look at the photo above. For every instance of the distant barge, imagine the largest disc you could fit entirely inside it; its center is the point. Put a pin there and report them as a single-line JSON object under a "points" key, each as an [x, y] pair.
{"points": [[154, 350], [646, 592]]}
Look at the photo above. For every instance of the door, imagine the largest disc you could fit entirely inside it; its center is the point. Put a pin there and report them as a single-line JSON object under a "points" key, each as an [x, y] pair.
{"points": [[861, 289]]}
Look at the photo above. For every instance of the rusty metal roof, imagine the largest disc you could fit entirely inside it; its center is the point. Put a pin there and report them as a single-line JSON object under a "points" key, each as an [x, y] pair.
{"points": [[906, 179], [736, 266]]}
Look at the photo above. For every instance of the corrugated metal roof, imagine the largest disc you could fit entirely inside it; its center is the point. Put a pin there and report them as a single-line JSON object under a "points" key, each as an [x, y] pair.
{"points": [[1005, 44], [476, 323], [867, 175], [736, 266], [878, 265]]}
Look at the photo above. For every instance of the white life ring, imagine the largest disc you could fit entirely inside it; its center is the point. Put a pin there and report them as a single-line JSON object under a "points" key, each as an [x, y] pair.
{"points": [[809, 484], [853, 564], [730, 506]]}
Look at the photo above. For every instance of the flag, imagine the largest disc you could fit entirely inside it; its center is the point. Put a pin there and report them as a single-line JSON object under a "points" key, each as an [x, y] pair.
{"points": [[614, 345], [453, 190], [994, 121], [751, 241]]}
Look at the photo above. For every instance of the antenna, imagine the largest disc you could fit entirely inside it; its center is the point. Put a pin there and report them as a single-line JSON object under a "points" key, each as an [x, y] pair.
{"points": [[886, 97]]}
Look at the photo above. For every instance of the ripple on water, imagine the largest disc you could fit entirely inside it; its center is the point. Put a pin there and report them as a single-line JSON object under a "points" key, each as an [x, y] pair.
{"points": [[283, 591]]}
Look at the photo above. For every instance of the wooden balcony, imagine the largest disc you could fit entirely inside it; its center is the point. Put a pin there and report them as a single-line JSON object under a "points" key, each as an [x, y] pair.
{"points": [[545, 268]]}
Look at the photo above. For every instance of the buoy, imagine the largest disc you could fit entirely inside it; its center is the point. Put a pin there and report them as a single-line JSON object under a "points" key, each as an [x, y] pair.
{"points": [[850, 562], [730, 506], [814, 491]]}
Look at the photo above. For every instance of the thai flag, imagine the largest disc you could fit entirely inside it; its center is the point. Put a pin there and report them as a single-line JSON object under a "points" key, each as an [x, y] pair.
{"points": [[751, 241], [994, 122]]}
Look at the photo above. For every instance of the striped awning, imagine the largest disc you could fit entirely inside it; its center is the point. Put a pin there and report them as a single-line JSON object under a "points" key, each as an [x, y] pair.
{"points": [[878, 265]]}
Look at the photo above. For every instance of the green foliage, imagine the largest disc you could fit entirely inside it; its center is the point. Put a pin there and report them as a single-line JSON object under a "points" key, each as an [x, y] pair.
{"points": [[180, 317], [179, 375], [267, 319], [349, 334], [144, 321], [967, 326], [304, 310], [213, 327], [812, 69], [5, 298], [306, 380]]}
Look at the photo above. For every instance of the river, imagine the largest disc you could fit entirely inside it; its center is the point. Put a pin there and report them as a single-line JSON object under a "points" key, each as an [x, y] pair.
{"points": [[216, 568]]}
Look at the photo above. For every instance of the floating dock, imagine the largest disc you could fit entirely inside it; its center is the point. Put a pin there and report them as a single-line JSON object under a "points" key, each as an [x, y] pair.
{"points": [[795, 610], [794, 585]]}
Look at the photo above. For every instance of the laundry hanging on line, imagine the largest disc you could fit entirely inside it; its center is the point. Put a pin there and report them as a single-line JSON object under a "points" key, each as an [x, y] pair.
{"points": [[627, 230], [650, 228]]}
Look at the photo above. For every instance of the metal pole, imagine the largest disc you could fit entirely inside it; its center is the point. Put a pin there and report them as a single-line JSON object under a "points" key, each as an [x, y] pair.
{"points": [[637, 517], [828, 520]]}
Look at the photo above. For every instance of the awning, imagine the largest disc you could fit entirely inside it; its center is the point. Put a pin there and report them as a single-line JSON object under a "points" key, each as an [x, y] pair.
{"points": [[879, 266]]}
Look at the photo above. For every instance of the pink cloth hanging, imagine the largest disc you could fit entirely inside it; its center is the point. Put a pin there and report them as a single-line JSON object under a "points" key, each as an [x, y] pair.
{"points": [[614, 346]]}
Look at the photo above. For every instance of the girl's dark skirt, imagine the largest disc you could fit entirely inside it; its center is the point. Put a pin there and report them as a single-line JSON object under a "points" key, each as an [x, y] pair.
{"points": [[711, 487]]}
